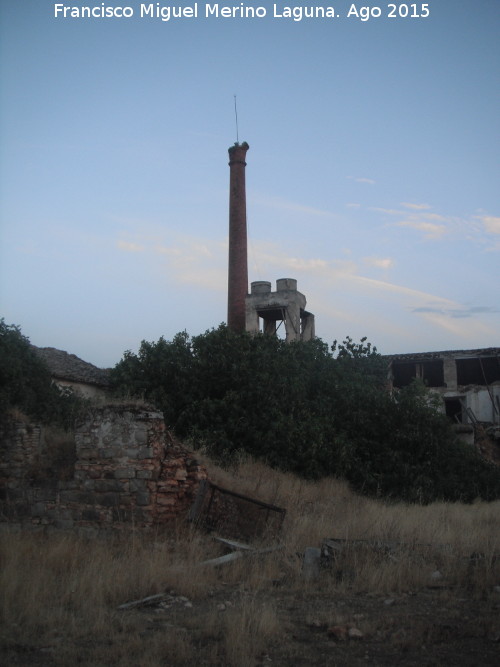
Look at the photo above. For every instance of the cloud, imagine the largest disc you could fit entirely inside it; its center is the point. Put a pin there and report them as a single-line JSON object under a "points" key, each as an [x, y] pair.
{"points": [[338, 270], [129, 247], [416, 207], [379, 262], [458, 312], [370, 181], [421, 220], [301, 264], [491, 224], [338, 290], [471, 331], [477, 229], [430, 230], [388, 211]]}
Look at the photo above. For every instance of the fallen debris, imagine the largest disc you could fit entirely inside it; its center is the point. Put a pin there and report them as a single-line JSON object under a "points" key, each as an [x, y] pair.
{"points": [[143, 601], [311, 563], [239, 550], [161, 600], [233, 515]]}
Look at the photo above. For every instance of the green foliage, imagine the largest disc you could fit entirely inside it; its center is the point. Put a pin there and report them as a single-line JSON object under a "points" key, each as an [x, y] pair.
{"points": [[26, 384], [309, 409], [160, 373]]}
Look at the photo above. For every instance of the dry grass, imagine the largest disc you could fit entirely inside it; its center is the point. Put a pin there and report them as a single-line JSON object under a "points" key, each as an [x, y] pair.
{"points": [[60, 593]]}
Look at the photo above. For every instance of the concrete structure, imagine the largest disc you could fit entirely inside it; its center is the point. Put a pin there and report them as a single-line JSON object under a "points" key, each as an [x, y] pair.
{"points": [[467, 380], [237, 265], [244, 311], [286, 305]]}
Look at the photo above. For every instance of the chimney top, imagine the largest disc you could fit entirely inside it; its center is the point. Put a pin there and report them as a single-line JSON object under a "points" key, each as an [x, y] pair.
{"points": [[237, 153]]}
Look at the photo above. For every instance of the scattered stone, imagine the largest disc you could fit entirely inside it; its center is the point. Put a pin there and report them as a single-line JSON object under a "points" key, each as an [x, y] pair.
{"points": [[354, 633], [339, 632], [436, 575], [221, 607], [389, 601], [310, 567], [496, 589]]}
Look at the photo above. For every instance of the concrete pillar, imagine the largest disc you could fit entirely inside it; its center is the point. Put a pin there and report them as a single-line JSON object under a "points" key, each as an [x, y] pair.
{"points": [[292, 322], [292, 310], [450, 372], [308, 332], [237, 266], [270, 327]]}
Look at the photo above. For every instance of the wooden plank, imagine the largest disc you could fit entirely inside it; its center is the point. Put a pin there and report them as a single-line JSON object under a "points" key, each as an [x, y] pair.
{"points": [[234, 544], [137, 603], [222, 560]]}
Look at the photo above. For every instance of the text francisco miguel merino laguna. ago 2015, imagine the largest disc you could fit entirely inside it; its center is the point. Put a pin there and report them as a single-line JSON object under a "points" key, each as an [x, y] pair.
{"points": [[207, 10]]}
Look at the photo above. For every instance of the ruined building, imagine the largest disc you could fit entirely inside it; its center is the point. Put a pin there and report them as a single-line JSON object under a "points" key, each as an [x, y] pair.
{"points": [[468, 382], [262, 309], [69, 371]]}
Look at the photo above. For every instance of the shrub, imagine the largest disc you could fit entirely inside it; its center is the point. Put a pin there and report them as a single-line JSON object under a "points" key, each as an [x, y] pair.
{"points": [[309, 409], [26, 384]]}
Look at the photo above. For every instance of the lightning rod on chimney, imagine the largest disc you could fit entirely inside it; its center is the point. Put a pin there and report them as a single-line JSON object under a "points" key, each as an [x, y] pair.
{"points": [[236, 118]]}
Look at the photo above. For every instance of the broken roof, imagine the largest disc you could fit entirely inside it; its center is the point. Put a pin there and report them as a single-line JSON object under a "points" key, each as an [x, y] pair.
{"points": [[482, 352], [69, 367]]}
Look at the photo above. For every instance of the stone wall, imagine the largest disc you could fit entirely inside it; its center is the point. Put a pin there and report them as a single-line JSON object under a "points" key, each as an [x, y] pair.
{"points": [[129, 471], [20, 445]]}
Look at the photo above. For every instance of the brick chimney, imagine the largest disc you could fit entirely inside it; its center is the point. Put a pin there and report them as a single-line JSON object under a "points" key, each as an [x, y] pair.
{"points": [[238, 267]]}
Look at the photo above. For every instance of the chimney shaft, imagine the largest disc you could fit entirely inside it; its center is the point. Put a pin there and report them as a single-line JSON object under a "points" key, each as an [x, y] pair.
{"points": [[237, 267]]}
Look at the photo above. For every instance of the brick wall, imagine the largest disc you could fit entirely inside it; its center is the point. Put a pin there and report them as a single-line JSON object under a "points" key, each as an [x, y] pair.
{"points": [[129, 471]]}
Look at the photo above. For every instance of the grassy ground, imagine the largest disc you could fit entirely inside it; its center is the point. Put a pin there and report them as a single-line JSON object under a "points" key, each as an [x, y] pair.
{"points": [[425, 603]]}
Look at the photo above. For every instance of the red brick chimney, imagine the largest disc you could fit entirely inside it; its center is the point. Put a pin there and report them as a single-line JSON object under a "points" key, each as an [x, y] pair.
{"points": [[238, 268]]}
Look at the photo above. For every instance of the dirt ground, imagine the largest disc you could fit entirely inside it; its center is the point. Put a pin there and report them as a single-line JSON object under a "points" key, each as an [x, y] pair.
{"points": [[432, 627], [427, 628]]}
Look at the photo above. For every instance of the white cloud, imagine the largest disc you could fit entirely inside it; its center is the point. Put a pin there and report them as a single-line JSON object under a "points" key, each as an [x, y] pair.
{"points": [[129, 246], [173, 252], [415, 207], [469, 330], [370, 181], [337, 290], [434, 226], [491, 224], [379, 262], [388, 211], [430, 230]]}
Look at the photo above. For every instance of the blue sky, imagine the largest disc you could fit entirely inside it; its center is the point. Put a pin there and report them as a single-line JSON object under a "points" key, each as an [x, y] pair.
{"points": [[372, 177]]}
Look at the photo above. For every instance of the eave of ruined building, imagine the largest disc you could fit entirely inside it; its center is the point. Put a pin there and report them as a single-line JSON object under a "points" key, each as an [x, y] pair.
{"points": [[456, 354], [69, 367]]}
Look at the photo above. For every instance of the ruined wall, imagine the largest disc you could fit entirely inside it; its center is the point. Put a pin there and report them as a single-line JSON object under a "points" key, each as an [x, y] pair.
{"points": [[129, 471], [20, 444]]}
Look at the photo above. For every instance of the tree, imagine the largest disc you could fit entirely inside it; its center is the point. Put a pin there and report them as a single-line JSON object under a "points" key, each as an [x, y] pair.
{"points": [[26, 384], [306, 408], [159, 373]]}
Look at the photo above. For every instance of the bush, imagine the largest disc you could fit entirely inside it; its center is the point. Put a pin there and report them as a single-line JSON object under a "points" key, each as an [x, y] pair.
{"points": [[309, 409], [26, 384]]}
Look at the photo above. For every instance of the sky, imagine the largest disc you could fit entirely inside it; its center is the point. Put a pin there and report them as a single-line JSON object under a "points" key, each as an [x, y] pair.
{"points": [[372, 175]]}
